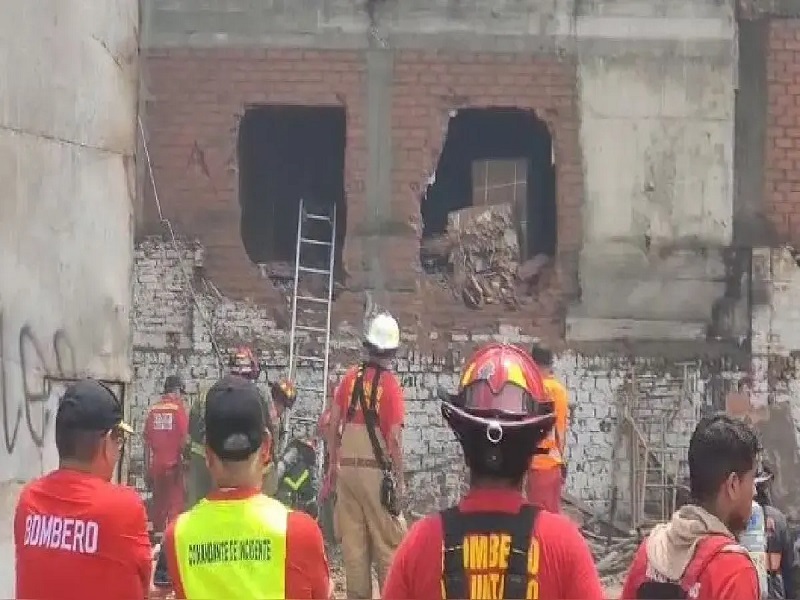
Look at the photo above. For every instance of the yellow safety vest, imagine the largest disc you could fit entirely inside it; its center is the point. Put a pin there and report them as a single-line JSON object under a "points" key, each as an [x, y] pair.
{"points": [[233, 549]]}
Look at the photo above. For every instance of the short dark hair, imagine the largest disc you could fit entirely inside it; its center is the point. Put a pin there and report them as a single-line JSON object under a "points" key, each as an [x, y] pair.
{"points": [[76, 444], [542, 355], [173, 383], [720, 445]]}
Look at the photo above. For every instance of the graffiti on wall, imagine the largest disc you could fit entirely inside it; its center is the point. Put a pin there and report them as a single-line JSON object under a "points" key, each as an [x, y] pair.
{"points": [[24, 395]]}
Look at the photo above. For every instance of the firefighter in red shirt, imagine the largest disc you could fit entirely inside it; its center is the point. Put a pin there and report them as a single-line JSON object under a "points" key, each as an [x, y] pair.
{"points": [[695, 555], [165, 435], [495, 544], [77, 535]]}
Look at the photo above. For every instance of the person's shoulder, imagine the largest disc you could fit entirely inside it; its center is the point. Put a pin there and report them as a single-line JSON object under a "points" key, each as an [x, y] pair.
{"points": [[426, 529], [303, 529], [118, 497], [557, 529]]}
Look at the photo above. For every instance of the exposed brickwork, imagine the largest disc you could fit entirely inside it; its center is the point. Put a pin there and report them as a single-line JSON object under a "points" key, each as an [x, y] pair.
{"points": [[171, 335], [197, 97], [782, 176]]}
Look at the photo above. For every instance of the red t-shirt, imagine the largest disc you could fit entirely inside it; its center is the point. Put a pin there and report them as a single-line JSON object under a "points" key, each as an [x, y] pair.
{"points": [[165, 431], [728, 576], [559, 559], [79, 536], [307, 573], [389, 402]]}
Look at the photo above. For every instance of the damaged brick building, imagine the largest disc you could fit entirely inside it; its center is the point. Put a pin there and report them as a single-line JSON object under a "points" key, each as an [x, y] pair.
{"points": [[599, 174]]}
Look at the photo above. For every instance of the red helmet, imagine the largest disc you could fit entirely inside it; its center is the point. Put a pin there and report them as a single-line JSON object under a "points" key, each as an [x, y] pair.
{"points": [[501, 412], [283, 392], [243, 363]]}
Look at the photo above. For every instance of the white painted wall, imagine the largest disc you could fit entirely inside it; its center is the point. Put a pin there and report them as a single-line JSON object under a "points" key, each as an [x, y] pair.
{"points": [[68, 94]]}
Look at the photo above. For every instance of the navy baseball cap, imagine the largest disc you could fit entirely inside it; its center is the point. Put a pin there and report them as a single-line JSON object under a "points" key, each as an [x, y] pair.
{"points": [[90, 405], [236, 422]]}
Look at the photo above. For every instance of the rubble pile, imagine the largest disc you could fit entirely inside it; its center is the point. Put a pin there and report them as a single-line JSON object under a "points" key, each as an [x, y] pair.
{"points": [[484, 254]]}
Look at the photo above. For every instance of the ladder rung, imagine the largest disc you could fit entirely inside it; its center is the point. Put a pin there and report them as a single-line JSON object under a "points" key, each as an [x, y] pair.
{"points": [[314, 242], [314, 217], [312, 358], [303, 388], [311, 328], [313, 299], [313, 270]]}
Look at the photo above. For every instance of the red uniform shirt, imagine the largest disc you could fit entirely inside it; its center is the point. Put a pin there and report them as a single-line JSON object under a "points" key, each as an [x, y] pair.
{"points": [[558, 560], [165, 431], [79, 536], [389, 401], [728, 576], [307, 573]]}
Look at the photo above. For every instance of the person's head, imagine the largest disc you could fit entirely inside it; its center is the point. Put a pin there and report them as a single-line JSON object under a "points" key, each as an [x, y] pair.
{"points": [[90, 431], [763, 483], [243, 363], [382, 338], [283, 395], [745, 385], [173, 384], [499, 414], [238, 433], [542, 356], [723, 456]]}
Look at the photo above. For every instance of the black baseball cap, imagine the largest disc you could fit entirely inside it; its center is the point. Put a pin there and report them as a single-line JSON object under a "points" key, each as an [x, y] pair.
{"points": [[90, 405], [235, 420]]}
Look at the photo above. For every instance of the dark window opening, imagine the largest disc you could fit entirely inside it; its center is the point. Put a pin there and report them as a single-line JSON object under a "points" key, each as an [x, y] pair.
{"points": [[492, 156], [287, 153]]}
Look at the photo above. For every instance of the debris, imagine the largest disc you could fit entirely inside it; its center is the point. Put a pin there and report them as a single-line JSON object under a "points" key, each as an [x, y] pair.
{"points": [[484, 254]]}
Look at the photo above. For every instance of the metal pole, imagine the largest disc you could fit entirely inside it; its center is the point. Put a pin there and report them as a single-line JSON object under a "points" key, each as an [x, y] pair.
{"points": [[300, 215]]}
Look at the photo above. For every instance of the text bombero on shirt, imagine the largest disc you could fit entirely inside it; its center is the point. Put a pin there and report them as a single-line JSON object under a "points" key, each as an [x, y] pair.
{"points": [[51, 531]]}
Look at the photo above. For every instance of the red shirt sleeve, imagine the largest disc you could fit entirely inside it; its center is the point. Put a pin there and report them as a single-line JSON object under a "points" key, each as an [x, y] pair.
{"points": [[182, 418], [732, 576], [636, 574], [135, 541], [172, 561], [579, 578], [342, 393], [410, 574], [307, 572], [393, 408]]}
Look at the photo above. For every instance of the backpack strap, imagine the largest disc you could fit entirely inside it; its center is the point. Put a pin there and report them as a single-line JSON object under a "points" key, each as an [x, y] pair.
{"points": [[517, 573], [705, 552], [457, 525]]}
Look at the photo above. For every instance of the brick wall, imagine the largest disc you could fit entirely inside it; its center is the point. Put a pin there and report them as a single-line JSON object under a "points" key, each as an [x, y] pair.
{"points": [[782, 176], [197, 96], [172, 332]]}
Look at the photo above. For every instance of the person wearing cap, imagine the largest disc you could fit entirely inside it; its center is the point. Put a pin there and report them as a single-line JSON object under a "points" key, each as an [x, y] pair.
{"points": [[76, 534], [548, 467], [494, 543], [780, 543], [238, 542], [365, 458], [166, 429], [242, 362]]}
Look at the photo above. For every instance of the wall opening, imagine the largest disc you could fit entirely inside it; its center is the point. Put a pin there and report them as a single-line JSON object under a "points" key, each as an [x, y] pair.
{"points": [[501, 160], [286, 153]]}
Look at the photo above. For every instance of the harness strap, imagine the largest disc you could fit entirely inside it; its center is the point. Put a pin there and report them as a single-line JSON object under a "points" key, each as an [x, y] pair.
{"points": [[457, 526]]}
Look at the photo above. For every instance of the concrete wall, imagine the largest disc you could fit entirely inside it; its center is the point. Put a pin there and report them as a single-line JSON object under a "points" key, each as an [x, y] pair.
{"points": [[67, 134]]}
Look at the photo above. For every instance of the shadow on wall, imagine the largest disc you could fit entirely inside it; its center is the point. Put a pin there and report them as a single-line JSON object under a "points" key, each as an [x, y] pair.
{"points": [[286, 153]]}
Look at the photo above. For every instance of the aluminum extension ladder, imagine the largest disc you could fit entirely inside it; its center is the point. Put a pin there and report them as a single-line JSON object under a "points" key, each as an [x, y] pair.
{"points": [[307, 311]]}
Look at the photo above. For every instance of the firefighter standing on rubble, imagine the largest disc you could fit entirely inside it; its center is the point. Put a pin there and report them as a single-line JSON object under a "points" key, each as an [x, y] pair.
{"points": [[696, 555], [548, 468], [284, 395], [243, 363], [366, 459], [494, 544], [165, 434]]}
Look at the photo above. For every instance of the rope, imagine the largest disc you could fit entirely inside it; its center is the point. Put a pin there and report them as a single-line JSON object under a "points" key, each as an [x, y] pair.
{"points": [[186, 275]]}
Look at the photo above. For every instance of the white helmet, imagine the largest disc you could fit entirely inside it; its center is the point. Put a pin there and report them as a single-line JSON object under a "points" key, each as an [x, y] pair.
{"points": [[383, 333]]}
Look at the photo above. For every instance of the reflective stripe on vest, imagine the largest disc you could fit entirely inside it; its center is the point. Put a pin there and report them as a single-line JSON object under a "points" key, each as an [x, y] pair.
{"points": [[233, 548]]}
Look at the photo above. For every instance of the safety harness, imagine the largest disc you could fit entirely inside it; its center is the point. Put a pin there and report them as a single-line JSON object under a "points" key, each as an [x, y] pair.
{"points": [[458, 526]]}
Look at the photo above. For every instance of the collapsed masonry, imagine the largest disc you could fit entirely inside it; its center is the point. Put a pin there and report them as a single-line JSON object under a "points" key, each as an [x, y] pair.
{"points": [[481, 251]]}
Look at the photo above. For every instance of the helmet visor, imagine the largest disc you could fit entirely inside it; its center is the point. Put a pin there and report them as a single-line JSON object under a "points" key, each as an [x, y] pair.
{"points": [[510, 399]]}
